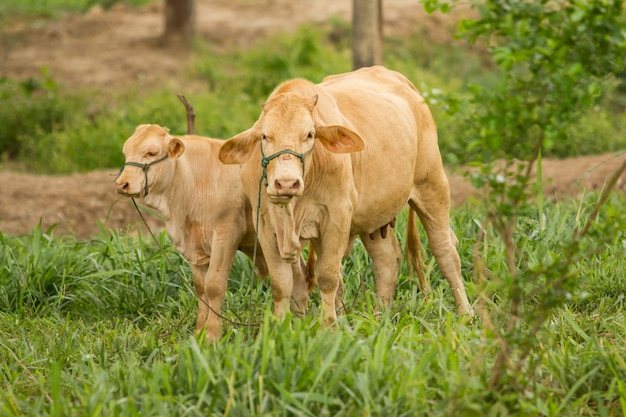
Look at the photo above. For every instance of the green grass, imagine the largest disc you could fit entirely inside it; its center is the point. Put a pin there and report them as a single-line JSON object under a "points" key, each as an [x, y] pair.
{"points": [[54, 8], [105, 327]]}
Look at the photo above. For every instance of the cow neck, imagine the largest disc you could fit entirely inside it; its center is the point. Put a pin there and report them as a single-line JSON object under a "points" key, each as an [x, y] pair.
{"points": [[182, 192], [170, 199]]}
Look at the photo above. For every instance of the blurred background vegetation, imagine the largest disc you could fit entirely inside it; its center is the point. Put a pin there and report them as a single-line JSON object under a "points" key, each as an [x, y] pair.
{"points": [[47, 128]]}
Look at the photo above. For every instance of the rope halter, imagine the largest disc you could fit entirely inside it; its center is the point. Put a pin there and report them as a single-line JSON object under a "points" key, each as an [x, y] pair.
{"points": [[265, 160], [144, 168]]}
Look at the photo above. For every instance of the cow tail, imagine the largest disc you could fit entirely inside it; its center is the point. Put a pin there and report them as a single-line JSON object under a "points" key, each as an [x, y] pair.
{"points": [[414, 253], [310, 269]]}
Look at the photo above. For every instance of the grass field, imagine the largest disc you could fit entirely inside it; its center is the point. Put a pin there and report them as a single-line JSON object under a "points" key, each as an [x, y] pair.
{"points": [[105, 327]]}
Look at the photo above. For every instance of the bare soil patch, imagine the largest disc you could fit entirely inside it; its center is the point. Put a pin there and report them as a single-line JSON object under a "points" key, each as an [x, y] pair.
{"points": [[121, 47]]}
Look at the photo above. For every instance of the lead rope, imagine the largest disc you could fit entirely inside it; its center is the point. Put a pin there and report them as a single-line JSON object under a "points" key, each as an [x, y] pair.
{"points": [[182, 278], [144, 168], [264, 163]]}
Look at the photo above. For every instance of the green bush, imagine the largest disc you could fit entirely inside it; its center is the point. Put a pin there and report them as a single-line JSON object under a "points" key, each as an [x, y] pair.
{"points": [[32, 107], [554, 60], [55, 8]]}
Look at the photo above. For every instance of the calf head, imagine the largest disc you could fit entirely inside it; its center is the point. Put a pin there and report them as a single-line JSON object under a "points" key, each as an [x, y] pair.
{"points": [[286, 133], [143, 170]]}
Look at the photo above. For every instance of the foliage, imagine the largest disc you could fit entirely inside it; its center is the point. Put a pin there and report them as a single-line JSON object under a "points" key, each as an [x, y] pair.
{"points": [[36, 107], [50, 129], [554, 58], [54, 8], [103, 327]]}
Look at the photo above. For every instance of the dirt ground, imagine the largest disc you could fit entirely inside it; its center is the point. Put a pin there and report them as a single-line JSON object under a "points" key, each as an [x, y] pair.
{"points": [[119, 47]]}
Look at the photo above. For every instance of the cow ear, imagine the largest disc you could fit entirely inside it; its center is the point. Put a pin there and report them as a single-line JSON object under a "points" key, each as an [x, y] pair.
{"points": [[237, 149], [175, 148], [339, 139]]}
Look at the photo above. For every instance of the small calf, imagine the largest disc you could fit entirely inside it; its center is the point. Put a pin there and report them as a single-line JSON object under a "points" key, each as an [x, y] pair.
{"points": [[206, 212]]}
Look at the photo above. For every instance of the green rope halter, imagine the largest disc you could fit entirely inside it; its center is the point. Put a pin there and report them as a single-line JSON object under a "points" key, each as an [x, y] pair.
{"points": [[265, 160], [144, 168]]}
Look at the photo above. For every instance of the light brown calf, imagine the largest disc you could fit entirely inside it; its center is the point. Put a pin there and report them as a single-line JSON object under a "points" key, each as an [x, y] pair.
{"points": [[206, 212], [341, 159]]}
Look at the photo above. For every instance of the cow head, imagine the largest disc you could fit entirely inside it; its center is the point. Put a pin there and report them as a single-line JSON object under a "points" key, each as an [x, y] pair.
{"points": [[286, 133], [144, 151]]}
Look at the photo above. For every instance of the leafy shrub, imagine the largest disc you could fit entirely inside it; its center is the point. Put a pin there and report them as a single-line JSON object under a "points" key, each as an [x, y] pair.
{"points": [[554, 59], [53, 8], [32, 107]]}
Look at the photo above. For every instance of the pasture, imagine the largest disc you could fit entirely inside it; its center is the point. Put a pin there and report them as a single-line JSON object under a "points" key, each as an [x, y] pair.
{"points": [[103, 325]]}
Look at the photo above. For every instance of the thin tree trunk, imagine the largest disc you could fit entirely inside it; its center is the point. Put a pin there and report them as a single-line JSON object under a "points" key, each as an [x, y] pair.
{"points": [[180, 25], [367, 48]]}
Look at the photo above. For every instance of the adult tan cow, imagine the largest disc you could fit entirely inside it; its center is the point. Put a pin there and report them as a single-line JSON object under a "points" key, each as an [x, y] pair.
{"points": [[331, 161], [206, 212]]}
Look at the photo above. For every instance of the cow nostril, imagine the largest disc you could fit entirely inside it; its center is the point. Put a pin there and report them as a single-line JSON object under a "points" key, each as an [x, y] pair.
{"points": [[123, 186], [287, 185]]}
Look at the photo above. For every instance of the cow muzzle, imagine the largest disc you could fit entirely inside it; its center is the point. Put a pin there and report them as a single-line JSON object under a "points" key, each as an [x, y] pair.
{"points": [[283, 188], [124, 187], [286, 180]]}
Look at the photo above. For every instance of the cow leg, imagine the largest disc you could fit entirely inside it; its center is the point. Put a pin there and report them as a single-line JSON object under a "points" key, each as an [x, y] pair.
{"points": [[199, 278], [281, 279], [386, 254], [281, 273], [212, 288], [328, 276], [300, 295], [432, 204]]}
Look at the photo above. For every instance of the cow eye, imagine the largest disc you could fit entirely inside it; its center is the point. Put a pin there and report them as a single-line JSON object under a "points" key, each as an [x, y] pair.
{"points": [[151, 154], [263, 137], [311, 135]]}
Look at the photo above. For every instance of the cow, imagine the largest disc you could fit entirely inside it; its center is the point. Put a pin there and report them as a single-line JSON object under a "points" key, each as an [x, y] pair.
{"points": [[206, 212], [328, 162]]}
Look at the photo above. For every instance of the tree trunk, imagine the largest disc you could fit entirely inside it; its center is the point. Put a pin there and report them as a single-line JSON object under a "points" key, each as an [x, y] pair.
{"points": [[367, 45], [180, 22]]}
